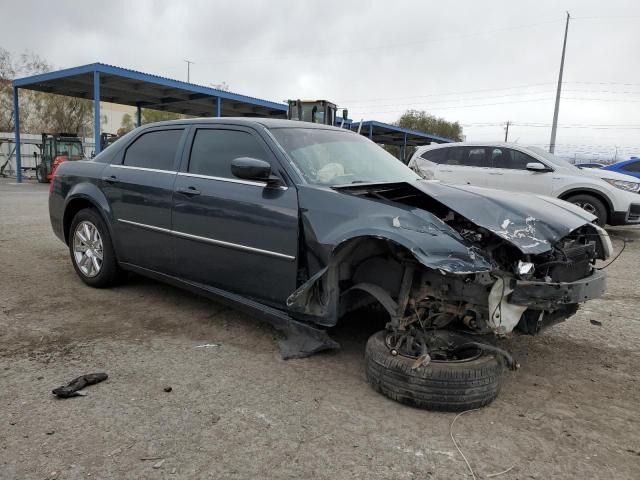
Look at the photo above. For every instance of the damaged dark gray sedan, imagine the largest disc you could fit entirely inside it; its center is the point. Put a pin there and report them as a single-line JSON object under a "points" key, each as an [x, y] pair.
{"points": [[303, 223]]}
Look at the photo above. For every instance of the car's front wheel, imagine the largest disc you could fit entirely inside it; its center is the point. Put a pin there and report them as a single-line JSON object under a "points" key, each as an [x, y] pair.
{"points": [[592, 205], [91, 250]]}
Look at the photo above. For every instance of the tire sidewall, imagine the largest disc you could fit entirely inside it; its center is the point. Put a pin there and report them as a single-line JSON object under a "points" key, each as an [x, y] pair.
{"points": [[109, 269], [485, 359], [601, 209], [444, 386], [41, 174]]}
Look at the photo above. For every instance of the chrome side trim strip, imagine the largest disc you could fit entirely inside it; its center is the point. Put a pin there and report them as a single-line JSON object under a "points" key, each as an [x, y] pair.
{"points": [[233, 245], [210, 240], [222, 179], [225, 179], [144, 225], [144, 169]]}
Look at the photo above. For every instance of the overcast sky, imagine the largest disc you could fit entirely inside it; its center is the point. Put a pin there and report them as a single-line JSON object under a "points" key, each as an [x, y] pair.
{"points": [[478, 63]]}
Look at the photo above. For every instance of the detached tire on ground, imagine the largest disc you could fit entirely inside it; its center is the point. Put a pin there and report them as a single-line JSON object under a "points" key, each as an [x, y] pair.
{"points": [[440, 385]]}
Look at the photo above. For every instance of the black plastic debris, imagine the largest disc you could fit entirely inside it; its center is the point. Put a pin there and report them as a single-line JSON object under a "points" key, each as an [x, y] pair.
{"points": [[71, 389]]}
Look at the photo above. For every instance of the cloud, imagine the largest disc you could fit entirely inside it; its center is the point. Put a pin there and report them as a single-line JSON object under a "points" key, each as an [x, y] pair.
{"points": [[459, 60]]}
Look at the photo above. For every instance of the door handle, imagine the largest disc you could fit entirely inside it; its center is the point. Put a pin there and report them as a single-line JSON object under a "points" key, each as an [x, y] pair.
{"points": [[188, 191], [111, 179]]}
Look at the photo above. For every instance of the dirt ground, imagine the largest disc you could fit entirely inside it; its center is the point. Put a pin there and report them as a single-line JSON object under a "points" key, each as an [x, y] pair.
{"points": [[239, 411]]}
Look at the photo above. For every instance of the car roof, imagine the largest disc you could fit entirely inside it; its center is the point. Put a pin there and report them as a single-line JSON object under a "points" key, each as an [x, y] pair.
{"points": [[624, 162], [471, 144], [270, 123]]}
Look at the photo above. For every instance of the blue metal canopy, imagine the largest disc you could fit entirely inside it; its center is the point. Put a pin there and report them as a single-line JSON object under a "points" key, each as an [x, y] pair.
{"points": [[107, 83], [387, 134]]}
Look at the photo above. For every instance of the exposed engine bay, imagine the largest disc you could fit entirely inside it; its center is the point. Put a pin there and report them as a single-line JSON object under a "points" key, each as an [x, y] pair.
{"points": [[489, 301]]}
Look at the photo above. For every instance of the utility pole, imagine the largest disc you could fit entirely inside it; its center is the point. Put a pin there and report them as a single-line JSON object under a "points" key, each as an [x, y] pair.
{"points": [[189, 62], [506, 131], [554, 126]]}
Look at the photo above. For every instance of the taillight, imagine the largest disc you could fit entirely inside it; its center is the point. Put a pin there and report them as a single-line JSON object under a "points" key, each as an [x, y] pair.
{"points": [[53, 179]]}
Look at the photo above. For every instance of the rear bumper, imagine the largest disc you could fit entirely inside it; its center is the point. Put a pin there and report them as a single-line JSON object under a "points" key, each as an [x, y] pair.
{"points": [[544, 296], [56, 207]]}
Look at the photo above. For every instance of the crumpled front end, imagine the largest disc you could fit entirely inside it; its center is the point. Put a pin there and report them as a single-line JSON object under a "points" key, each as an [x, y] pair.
{"points": [[524, 292], [426, 263]]}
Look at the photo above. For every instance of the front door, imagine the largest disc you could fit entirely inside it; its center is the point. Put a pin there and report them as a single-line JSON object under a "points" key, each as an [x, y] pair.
{"points": [[232, 234], [139, 188], [509, 172]]}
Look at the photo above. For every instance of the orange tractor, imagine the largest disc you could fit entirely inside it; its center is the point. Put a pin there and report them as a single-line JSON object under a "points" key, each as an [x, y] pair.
{"points": [[55, 149]]}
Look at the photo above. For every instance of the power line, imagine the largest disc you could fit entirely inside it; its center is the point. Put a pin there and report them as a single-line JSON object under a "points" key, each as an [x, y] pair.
{"points": [[547, 125], [375, 101], [378, 47], [606, 83], [351, 101]]}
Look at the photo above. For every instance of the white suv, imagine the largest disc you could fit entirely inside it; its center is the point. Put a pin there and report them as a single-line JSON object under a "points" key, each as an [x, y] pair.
{"points": [[612, 197]]}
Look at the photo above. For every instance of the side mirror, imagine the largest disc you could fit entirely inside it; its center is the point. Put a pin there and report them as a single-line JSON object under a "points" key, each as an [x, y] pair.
{"points": [[248, 168], [537, 167]]}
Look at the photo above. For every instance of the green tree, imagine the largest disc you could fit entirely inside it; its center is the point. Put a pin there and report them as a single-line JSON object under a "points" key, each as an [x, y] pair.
{"points": [[150, 116], [126, 124], [425, 122]]}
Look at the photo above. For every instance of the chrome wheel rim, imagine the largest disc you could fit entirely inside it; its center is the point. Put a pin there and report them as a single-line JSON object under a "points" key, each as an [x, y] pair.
{"points": [[587, 206], [87, 249]]}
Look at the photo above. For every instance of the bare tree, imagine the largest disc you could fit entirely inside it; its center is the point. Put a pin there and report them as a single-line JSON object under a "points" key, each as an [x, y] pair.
{"points": [[39, 112]]}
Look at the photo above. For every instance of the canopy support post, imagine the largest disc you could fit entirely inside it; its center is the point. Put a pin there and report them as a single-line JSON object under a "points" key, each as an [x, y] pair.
{"points": [[16, 122], [96, 111]]}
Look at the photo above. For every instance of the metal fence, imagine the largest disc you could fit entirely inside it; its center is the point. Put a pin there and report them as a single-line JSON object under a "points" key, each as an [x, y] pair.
{"points": [[30, 152]]}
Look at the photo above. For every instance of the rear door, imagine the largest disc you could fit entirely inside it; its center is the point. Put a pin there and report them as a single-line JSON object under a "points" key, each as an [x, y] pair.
{"points": [[139, 187], [463, 165], [236, 235]]}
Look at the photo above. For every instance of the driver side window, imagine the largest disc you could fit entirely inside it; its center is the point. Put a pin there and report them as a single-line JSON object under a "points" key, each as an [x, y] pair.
{"points": [[213, 150], [511, 159]]}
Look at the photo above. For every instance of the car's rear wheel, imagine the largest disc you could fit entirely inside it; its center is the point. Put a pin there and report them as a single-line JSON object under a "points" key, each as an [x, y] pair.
{"points": [[471, 381], [592, 205], [92, 251]]}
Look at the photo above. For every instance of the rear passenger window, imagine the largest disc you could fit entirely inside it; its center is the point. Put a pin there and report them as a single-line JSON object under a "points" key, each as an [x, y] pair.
{"points": [[435, 156], [476, 157], [453, 156], [213, 151], [154, 150]]}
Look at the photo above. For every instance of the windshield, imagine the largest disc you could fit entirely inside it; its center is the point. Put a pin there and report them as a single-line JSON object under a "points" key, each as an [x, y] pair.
{"points": [[70, 148], [552, 158], [331, 157]]}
